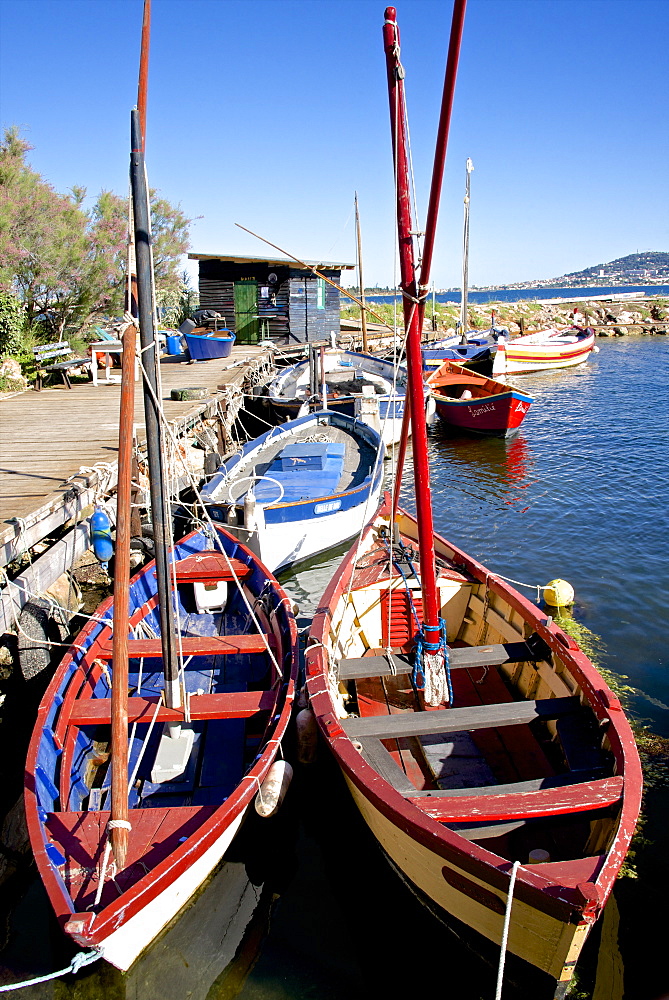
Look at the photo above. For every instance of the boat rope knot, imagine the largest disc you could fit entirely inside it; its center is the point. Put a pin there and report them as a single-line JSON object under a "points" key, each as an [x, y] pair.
{"points": [[81, 959], [119, 824], [433, 664]]}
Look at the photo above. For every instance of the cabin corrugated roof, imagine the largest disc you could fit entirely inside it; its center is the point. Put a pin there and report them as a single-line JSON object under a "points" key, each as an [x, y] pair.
{"points": [[277, 261]]}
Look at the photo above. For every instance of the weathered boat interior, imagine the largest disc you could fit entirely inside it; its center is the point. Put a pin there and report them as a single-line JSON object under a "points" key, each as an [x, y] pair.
{"points": [[517, 762]]}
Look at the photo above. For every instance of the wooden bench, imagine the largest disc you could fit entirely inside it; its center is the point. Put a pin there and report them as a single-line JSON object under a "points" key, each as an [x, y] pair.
{"points": [[45, 352], [454, 720], [466, 657]]}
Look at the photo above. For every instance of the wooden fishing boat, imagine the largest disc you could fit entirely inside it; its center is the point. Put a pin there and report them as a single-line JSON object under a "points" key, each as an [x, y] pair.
{"points": [[485, 752], [476, 351], [300, 488], [471, 402], [359, 385], [554, 348], [532, 759], [238, 641], [131, 801]]}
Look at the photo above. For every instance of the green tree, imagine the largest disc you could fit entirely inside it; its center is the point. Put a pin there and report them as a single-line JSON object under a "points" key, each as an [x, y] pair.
{"points": [[66, 264]]}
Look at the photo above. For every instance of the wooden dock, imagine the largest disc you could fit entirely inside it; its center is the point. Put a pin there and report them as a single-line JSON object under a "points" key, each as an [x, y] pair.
{"points": [[58, 447]]}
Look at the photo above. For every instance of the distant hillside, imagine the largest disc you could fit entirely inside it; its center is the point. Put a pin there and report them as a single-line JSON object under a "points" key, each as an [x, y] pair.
{"points": [[648, 268]]}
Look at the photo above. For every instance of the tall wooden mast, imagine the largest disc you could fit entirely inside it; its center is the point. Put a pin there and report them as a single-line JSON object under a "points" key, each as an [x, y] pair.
{"points": [[363, 312]]}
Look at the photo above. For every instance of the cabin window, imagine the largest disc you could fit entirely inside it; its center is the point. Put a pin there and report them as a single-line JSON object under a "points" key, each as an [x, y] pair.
{"points": [[320, 293]]}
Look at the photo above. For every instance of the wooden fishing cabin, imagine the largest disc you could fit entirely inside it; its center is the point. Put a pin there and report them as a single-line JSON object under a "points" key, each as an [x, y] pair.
{"points": [[271, 298]]}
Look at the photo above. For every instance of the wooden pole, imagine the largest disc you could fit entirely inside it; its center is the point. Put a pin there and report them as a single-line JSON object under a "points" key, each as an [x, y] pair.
{"points": [[465, 256], [363, 318], [119, 834], [143, 83]]}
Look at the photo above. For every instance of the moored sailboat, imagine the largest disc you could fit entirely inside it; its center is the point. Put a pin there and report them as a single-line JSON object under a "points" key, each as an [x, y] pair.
{"points": [[485, 752], [165, 719]]}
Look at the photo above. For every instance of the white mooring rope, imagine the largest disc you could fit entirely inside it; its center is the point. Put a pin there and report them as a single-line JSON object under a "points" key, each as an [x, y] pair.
{"points": [[505, 932], [81, 959]]}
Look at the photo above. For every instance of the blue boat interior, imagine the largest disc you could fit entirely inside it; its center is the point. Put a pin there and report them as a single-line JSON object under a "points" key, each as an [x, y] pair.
{"points": [[223, 749], [306, 470]]}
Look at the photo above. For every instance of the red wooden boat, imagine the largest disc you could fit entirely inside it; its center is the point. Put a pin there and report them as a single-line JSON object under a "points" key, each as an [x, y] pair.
{"points": [[485, 752], [471, 402]]}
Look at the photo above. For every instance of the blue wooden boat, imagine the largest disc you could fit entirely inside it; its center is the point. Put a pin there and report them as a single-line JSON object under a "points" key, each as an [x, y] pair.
{"points": [[238, 651], [209, 346], [301, 488]]}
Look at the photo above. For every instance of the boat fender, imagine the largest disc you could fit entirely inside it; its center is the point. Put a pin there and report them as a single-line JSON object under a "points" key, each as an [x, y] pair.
{"points": [[273, 789], [250, 521], [430, 410], [307, 736], [101, 536], [558, 593]]}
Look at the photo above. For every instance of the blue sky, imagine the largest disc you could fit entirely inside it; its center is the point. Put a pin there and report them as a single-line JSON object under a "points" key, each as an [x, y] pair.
{"points": [[272, 114]]}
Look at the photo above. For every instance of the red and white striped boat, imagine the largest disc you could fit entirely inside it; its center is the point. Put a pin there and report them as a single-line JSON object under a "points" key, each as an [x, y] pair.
{"points": [[544, 349]]}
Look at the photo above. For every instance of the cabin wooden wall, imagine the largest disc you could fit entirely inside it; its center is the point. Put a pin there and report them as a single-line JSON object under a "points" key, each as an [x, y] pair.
{"points": [[289, 306]]}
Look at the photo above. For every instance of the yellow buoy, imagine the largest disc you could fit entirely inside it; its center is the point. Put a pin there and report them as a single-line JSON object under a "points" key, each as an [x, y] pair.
{"points": [[558, 593]]}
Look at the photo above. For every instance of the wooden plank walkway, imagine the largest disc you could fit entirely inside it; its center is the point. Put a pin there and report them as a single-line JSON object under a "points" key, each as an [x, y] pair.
{"points": [[47, 437]]}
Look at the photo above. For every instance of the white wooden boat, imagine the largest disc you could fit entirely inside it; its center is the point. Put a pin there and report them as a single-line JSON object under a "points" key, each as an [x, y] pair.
{"points": [[554, 348], [359, 385], [301, 488]]}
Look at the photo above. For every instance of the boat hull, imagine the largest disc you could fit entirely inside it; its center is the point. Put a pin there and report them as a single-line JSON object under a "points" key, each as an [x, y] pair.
{"points": [[383, 410], [289, 531], [496, 416], [468, 401], [544, 350], [464, 873]]}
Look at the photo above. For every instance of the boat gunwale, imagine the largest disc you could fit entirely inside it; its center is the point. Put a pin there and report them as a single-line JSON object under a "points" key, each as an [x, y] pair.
{"points": [[537, 889]]}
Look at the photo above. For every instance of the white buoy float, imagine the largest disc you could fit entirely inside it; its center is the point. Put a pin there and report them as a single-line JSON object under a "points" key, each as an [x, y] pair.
{"points": [[273, 789], [558, 593]]}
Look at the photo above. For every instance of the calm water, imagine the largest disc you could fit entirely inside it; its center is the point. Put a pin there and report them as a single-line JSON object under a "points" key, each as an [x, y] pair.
{"points": [[536, 294], [580, 494]]}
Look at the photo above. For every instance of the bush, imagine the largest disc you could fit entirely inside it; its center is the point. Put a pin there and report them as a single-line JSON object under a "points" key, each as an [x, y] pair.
{"points": [[11, 325]]}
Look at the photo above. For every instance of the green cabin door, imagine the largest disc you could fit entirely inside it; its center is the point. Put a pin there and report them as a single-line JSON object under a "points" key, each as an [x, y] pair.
{"points": [[246, 312]]}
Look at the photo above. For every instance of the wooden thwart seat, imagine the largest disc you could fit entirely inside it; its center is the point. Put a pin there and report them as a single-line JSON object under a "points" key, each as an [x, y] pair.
{"points": [[209, 645], [467, 657], [210, 567], [228, 705], [453, 720]]}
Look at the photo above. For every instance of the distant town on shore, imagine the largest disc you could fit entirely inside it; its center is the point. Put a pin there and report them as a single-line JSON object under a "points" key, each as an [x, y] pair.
{"points": [[647, 268]]}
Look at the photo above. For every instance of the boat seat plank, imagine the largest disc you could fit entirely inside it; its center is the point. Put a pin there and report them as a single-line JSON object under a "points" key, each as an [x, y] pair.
{"points": [[466, 657], [553, 801], [197, 645], [378, 757], [210, 567], [455, 719], [228, 705]]}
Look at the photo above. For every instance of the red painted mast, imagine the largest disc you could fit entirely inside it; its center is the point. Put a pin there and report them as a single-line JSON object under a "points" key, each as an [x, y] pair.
{"points": [[413, 292], [396, 91], [409, 285]]}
